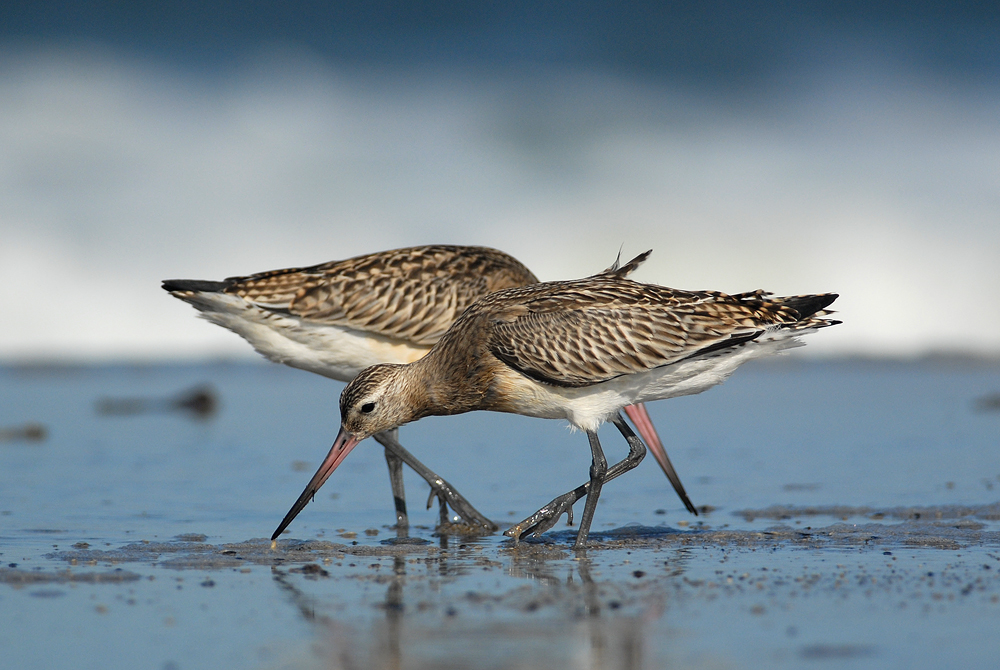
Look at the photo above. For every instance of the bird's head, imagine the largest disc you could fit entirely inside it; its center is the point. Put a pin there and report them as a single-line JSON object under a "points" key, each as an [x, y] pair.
{"points": [[372, 403], [377, 400]]}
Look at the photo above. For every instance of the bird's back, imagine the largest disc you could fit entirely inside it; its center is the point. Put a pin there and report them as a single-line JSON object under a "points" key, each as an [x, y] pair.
{"points": [[584, 349], [583, 332], [339, 317]]}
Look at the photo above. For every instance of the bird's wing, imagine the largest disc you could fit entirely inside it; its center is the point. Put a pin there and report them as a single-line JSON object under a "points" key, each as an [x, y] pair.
{"points": [[594, 333], [409, 294]]}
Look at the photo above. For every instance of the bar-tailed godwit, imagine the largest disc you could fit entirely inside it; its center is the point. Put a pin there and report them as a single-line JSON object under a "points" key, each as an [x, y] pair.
{"points": [[337, 318], [578, 350]]}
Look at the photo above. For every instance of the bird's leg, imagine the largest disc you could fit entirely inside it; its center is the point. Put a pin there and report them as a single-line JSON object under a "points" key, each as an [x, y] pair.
{"points": [[598, 470], [442, 509], [636, 449], [440, 488], [395, 464], [548, 516]]}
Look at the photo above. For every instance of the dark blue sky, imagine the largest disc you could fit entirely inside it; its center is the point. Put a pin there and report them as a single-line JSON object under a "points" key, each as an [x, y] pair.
{"points": [[718, 44]]}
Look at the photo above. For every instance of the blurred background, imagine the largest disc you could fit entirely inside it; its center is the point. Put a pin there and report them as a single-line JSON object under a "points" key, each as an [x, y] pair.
{"points": [[796, 147]]}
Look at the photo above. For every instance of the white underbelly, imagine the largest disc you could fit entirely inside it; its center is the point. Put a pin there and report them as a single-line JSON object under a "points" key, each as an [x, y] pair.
{"points": [[587, 407], [332, 351]]}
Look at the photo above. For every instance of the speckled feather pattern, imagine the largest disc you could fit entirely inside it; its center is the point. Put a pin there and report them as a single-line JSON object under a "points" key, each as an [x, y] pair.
{"points": [[577, 350], [584, 332], [412, 294], [581, 350]]}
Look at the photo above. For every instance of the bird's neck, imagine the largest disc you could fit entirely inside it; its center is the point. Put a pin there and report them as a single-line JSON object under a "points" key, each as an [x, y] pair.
{"points": [[443, 383]]}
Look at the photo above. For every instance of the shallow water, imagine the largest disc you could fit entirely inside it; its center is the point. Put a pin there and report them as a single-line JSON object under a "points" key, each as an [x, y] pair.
{"points": [[854, 522]]}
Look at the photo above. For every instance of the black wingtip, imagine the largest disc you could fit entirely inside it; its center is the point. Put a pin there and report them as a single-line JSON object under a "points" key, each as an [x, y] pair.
{"points": [[807, 305], [202, 285], [630, 267], [618, 261]]}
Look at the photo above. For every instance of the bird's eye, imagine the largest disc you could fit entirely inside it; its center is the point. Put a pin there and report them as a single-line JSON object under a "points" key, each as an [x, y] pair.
{"points": [[368, 408]]}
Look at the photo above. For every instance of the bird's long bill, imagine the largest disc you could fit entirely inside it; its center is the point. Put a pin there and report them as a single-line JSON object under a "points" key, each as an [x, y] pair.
{"points": [[338, 452], [640, 417]]}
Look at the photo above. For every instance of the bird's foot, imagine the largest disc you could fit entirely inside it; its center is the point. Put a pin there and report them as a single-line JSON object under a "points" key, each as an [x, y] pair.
{"points": [[449, 497], [545, 518]]}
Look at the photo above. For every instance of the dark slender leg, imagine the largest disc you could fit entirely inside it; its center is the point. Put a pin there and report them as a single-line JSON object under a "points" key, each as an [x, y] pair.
{"points": [[444, 491], [598, 469], [547, 516], [395, 464], [636, 449], [442, 509]]}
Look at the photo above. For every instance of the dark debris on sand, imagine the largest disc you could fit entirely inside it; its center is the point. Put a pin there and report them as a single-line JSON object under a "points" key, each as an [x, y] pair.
{"points": [[947, 527], [989, 512], [16, 577]]}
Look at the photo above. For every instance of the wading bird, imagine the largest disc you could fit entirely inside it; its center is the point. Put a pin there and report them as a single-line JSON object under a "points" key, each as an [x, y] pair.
{"points": [[338, 318], [578, 350]]}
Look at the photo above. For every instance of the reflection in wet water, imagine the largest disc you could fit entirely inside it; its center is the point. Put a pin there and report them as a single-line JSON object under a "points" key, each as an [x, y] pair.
{"points": [[584, 644], [408, 638], [485, 603]]}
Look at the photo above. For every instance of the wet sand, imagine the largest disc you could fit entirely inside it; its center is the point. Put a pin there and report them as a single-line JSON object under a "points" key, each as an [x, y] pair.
{"points": [[139, 541], [436, 601]]}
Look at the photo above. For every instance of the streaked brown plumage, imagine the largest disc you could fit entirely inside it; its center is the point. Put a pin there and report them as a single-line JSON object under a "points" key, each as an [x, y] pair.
{"points": [[580, 350], [340, 317], [412, 295]]}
